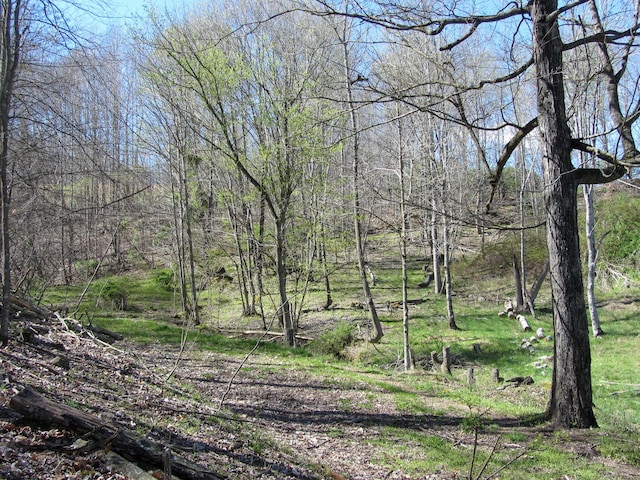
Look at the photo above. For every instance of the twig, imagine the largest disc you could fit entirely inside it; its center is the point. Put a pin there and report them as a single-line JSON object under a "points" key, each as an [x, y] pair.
{"points": [[635, 392], [183, 345], [473, 455], [95, 272], [491, 453], [246, 358], [505, 465]]}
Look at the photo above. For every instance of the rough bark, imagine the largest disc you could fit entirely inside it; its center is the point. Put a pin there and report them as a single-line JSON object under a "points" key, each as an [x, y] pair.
{"points": [[445, 367], [447, 275], [517, 277], [285, 306], [11, 51], [408, 356], [570, 404]]}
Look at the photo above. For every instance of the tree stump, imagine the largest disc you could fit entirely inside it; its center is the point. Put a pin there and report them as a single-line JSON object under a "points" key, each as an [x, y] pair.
{"points": [[434, 360], [446, 361]]}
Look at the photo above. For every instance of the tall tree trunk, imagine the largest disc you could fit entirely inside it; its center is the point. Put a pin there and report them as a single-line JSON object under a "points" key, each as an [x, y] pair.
{"points": [[281, 261], [524, 293], [570, 404], [377, 333], [259, 260], [193, 312], [436, 254], [447, 272], [408, 360], [592, 257], [519, 287], [178, 222], [325, 267], [11, 48]]}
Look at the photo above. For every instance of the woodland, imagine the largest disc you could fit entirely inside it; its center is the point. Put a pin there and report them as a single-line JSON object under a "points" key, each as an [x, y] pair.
{"points": [[282, 239]]}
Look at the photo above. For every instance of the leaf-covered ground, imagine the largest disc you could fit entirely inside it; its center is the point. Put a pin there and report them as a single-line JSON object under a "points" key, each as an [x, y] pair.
{"points": [[275, 422]]}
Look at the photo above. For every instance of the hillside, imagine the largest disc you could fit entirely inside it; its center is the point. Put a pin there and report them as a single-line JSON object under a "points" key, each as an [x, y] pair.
{"points": [[280, 413]]}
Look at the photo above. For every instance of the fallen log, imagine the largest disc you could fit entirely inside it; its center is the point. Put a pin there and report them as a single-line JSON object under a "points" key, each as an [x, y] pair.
{"points": [[523, 323], [29, 308], [130, 445], [105, 335]]}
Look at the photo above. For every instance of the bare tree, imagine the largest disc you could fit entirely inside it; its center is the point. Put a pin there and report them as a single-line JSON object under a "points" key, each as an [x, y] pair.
{"points": [[570, 404], [13, 30], [350, 78], [253, 93]]}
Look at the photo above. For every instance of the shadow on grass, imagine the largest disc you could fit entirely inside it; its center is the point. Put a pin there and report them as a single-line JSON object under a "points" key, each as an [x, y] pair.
{"points": [[294, 415]]}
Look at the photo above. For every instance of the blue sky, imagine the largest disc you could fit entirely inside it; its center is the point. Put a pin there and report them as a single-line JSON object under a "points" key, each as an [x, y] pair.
{"points": [[136, 6], [121, 10]]}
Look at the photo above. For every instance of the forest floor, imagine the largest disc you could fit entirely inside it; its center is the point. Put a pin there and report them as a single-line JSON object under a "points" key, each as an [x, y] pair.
{"points": [[276, 422]]}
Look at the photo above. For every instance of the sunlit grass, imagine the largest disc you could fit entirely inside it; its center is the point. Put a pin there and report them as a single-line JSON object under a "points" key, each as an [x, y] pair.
{"points": [[153, 317]]}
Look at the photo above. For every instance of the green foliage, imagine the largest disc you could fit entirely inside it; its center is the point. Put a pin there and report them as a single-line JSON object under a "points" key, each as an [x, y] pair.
{"points": [[165, 278], [115, 291], [619, 216], [335, 341]]}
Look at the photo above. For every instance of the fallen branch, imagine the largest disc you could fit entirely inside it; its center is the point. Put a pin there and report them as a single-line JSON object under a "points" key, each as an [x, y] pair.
{"points": [[130, 445], [261, 333]]}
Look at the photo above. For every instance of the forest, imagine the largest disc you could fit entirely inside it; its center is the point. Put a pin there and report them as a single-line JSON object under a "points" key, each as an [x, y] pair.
{"points": [[288, 223]]}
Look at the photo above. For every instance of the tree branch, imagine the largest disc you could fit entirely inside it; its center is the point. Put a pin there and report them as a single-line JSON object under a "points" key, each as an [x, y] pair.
{"points": [[596, 176], [508, 149]]}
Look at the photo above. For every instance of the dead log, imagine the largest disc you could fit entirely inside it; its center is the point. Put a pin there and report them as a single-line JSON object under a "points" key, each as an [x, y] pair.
{"points": [[518, 381], [130, 445], [523, 323], [104, 334], [27, 308]]}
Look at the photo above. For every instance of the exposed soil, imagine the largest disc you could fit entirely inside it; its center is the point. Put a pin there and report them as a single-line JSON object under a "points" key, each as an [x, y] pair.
{"points": [[285, 423]]}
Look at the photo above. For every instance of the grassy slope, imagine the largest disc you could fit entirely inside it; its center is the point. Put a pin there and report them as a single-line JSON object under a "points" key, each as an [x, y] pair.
{"points": [[151, 318]]}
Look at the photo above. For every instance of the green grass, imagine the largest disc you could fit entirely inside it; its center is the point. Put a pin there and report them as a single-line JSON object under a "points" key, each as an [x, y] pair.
{"points": [[151, 318], [615, 368], [153, 331], [415, 452]]}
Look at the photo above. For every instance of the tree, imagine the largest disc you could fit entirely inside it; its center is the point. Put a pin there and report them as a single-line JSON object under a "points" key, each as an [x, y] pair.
{"points": [[350, 77], [13, 29], [570, 404], [251, 97]]}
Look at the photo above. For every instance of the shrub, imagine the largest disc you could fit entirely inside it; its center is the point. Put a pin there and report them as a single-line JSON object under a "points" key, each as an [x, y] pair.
{"points": [[335, 341], [165, 278], [620, 217], [116, 293], [86, 267]]}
